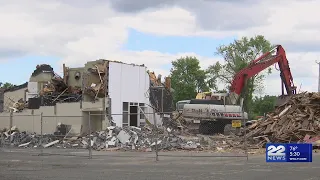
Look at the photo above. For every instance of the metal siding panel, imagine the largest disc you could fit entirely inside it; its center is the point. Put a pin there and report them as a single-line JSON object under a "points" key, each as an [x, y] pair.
{"points": [[115, 73]]}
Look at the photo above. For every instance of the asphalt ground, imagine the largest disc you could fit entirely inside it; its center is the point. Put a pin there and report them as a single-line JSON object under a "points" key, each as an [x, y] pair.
{"points": [[55, 164]]}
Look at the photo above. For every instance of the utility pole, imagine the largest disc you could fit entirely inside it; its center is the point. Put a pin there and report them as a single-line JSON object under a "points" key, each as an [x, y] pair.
{"points": [[318, 75]]}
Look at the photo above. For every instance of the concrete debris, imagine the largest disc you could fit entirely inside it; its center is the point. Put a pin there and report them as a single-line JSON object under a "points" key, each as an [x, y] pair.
{"points": [[25, 144], [123, 137], [296, 121], [51, 143], [126, 138]]}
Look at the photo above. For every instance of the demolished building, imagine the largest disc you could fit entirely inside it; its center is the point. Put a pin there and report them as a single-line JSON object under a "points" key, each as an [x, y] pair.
{"points": [[114, 92]]}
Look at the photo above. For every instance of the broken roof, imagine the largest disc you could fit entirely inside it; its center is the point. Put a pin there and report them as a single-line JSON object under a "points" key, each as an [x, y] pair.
{"points": [[46, 68], [42, 68]]}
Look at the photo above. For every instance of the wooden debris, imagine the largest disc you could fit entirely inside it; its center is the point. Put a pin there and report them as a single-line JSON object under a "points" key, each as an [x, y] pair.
{"points": [[299, 117]]}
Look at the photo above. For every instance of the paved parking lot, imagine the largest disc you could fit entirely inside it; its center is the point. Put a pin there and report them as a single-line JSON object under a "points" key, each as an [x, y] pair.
{"points": [[68, 165]]}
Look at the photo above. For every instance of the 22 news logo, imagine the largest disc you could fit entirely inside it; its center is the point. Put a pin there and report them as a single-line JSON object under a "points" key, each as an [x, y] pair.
{"points": [[276, 153]]}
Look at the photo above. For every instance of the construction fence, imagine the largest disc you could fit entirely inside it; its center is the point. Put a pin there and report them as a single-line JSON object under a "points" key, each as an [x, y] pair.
{"points": [[150, 133]]}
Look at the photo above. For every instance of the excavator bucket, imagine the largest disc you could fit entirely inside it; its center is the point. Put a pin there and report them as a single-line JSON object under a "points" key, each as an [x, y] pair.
{"points": [[282, 100]]}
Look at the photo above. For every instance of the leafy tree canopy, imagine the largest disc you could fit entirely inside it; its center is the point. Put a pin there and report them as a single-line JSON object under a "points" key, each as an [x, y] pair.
{"points": [[262, 105], [237, 55], [6, 85], [187, 78]]}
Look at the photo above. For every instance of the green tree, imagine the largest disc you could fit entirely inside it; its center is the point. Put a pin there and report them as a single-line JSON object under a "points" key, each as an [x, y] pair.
{"points": [[237, 55], [261, 105], [213, 76], [187, 78], [6, 85]]}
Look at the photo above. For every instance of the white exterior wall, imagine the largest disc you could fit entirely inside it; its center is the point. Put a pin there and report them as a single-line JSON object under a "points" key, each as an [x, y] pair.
{"points": [[128, 83]]}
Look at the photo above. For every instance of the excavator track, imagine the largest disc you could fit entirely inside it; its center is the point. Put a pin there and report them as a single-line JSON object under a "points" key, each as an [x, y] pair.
{"points": [[216, 127], [211, 128]]}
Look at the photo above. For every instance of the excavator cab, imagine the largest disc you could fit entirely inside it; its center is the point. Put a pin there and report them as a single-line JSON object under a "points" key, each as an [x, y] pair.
{"points": [[180, 104], [203, 95]]}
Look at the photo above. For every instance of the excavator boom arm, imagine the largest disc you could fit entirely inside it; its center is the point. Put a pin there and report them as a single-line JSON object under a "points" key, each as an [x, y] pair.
{"points": [[260, 64]]}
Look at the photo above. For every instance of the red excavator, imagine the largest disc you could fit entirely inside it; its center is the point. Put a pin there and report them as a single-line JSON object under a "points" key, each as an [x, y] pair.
{"points": [[260, 64], [213, 114]]}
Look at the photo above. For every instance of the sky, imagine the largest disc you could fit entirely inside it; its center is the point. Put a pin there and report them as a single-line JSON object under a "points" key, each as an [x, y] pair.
{"points": [[154, 33]]}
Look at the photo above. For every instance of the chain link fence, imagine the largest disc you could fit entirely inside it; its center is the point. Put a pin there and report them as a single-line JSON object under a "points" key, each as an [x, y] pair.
{"points": [[225, 137], [63, 135], [156, 134], [43, 134]]}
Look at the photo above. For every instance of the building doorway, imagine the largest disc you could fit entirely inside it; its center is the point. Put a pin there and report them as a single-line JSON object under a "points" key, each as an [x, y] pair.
{"points": [[134, 116]]}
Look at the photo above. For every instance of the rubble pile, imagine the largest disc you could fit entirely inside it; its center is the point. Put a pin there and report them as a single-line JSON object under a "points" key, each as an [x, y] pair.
{"points": [[296, 121], [126, 138], [57, 89], [24, 139]]}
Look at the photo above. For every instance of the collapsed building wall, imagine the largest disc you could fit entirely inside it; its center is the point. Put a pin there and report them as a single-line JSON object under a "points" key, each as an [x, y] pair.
{"points": [[66, 113], [105, 87], [42, 75], [60, 98], [12, 95], [95, 79]]}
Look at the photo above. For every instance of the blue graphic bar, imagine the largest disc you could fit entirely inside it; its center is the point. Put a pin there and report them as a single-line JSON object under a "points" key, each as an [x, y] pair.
{"points": [[292, 152]]}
